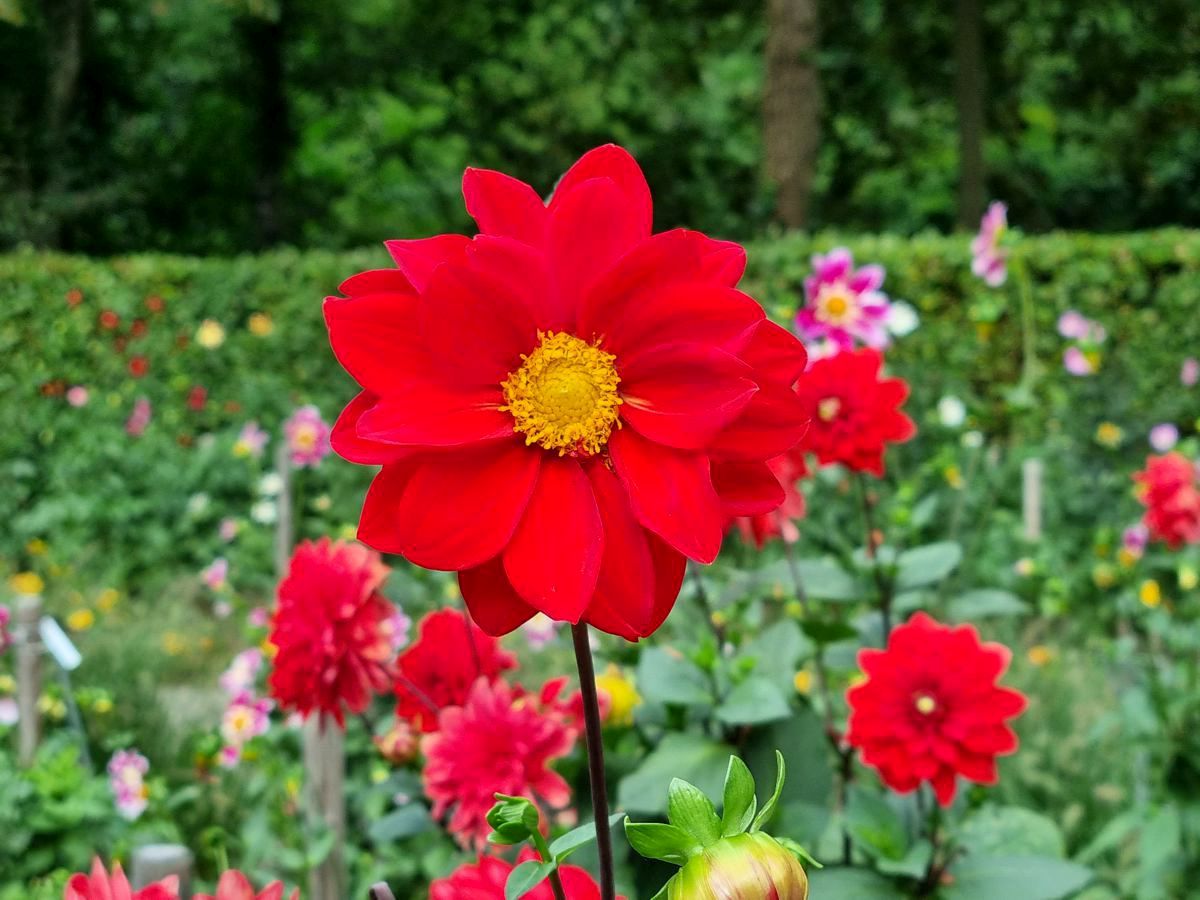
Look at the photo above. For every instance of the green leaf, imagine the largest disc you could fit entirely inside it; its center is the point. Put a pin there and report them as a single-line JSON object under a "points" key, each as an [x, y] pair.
{"points": [[764, 814], [654, 840], [399, 824], [525, 877], [874, 824], [825, 579], [776, 652], [1110, 836], [1006, 877], [739, 802], [850, 884], [913, 864], [700, 760], [984, 603], [753, 702], [689, 809], [1010, 831], [566, 844], [828, 631], [928, 564], [667, 677]]}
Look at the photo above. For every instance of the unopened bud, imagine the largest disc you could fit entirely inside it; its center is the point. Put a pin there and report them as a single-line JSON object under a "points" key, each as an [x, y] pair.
{"points": [[744, 867]]}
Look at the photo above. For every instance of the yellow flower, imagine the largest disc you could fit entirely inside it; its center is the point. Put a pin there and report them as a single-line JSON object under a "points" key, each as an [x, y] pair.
{"points": [[102, 706], [260, 324], [1104, 576], [622, 695], [1150, 593], [210, 335], [954, 477], [1126, 558], [1040, 654], [1109, 434], [268, 649], [803, 681], [350, 532], [719, 619], [1025, 567], [108, 599], [81, 620], [36, 547], [8, 684], [174, 643], [28, 583], [322, 502], [1188, 577]]}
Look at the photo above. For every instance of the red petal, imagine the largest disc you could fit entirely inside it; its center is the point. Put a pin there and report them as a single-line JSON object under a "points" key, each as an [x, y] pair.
{"points": [[590, 229], [376, 281], [554, 557], [611, 161], [775, 353], [419, 259], [772, 423], [669, 568], [683, 395], [475, 329], [685, 313], [671, 493], [375, 338], [435, 415], [746, 488], [522, 270], [624, 600], [377, 526], [722, 262], [460, 507], [503, 206], [494, 605], [350, 446]]}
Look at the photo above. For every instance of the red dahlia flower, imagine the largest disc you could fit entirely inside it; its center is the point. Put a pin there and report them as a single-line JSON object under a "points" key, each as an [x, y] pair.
{"points": [[438, 669], [99, 885], [1167, 488], [499, 741], [854, 413], [930, 708], [331, 630], [787, 468], [485, 880], [565, 406], [236, 886]]}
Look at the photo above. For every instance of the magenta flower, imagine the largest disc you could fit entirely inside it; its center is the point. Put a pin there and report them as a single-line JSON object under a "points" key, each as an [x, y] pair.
{"points": [[259, 617], [1077, 362], [397, 628], [1135, 539], [245, 718], [539, 631], [77, 396], [1163, 437], [139, 418], [989, 260], [307, 437], [1189, 372], [5, 637], [216, 574], [251, 441], [1074, 325], [127, 777], [242, 673], [228, 529], [843, 304]]}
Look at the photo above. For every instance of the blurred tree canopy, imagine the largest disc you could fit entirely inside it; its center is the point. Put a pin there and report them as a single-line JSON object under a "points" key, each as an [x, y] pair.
{"points": [[216, 126]]}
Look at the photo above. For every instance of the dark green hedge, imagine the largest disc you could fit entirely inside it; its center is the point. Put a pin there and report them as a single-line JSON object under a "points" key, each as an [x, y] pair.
{"points": [[117, 508]]}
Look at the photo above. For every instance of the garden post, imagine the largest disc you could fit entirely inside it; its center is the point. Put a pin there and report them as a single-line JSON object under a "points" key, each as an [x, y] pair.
{"points": [[283, 522], [29, 676], [154, 862], [324, 774], [1031, 498]]}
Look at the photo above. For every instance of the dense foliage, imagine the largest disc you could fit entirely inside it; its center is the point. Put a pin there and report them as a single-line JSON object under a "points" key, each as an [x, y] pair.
{"points": [[214, 127]]}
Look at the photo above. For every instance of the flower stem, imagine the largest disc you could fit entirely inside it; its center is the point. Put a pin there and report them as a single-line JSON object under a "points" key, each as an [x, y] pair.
{"points": [[556, 885], [595, 751], [881, 582]]}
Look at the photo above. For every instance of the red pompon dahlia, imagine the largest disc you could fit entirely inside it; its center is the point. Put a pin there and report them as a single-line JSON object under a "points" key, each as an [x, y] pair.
{"points": [[99, 885], [1167, 488], [787, 469], [437, 670], [332, 630], [854, 412], [499, 741], [484, 880], [931, 710], [565, 406], [236, 886]]}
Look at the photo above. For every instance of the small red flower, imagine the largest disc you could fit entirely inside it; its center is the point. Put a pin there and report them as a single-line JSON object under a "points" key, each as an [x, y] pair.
{"points": [[109, 320], [155, 304], [786, 469], [499, 741], [485, 879], [197, 397], [332, 630], [854, 412], [99, 885], [566, 404], [138, 328], [236, 886], [1167, 488], [438, 669], [139, 366], [74, 297], [930, 708]]}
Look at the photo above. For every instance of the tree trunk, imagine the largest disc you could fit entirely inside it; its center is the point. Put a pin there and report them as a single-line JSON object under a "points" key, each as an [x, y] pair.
{"points": [[66, 21], [264, 37], [969, 96], [792, 106]]}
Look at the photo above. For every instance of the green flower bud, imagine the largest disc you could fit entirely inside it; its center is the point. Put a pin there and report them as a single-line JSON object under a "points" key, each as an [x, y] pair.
{"points": [[513, 820], [750, 866]]}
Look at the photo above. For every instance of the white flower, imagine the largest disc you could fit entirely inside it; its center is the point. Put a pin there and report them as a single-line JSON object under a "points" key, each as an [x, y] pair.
{"points": [[972, 440], [902, 318], [951, 411], [270, 484], [264, 512], [197, 504]]}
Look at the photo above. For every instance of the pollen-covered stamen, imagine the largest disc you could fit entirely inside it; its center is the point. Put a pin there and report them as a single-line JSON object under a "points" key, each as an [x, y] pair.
{"points": [[925, 703], [564, 395], [829, 408], [836, 304]]}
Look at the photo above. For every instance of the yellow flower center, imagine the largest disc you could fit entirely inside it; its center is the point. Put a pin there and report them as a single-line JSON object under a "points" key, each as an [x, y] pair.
{"points": [[828, 409], [304, 438], [925, 704], [564, 395], [836, 305]]}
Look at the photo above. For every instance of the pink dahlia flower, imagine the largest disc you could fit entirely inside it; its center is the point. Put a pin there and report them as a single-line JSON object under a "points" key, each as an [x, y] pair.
{"points": [[844, 305], [988, 260]]}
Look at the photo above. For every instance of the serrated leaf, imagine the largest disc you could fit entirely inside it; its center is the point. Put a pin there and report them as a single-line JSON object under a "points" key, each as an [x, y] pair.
{"points": [[753, 702], [525, 877], [689, 809], [764, 814], [566, 844], [654, 840], [738, 803]]}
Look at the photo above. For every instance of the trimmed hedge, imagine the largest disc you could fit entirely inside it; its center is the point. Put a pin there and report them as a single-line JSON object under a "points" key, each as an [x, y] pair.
{"points": [[134, 509]]}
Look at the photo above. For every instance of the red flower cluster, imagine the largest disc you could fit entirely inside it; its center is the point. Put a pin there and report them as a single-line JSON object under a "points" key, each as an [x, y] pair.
{"points": [[931, 710], [854, 412], [485, 880], [99, 885], [1167, 488], [236, 886], [500, 740], [332, 630], [566, 406], [787, 469], [437, 670]]}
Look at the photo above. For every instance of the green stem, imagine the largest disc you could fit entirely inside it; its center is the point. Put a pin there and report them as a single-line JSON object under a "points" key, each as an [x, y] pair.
{"points": [[556, 885]]}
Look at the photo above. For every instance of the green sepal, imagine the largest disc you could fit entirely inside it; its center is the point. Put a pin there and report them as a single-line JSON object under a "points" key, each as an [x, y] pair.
{"points": [[764, 814], [739, 802], [690, 810], [655, 840]]}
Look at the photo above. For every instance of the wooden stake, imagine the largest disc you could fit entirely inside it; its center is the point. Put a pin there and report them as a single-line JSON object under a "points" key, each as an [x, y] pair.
{"points": [[284, 531], [154, 862], [1031, 498], [324, 767], [29, 677]]}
